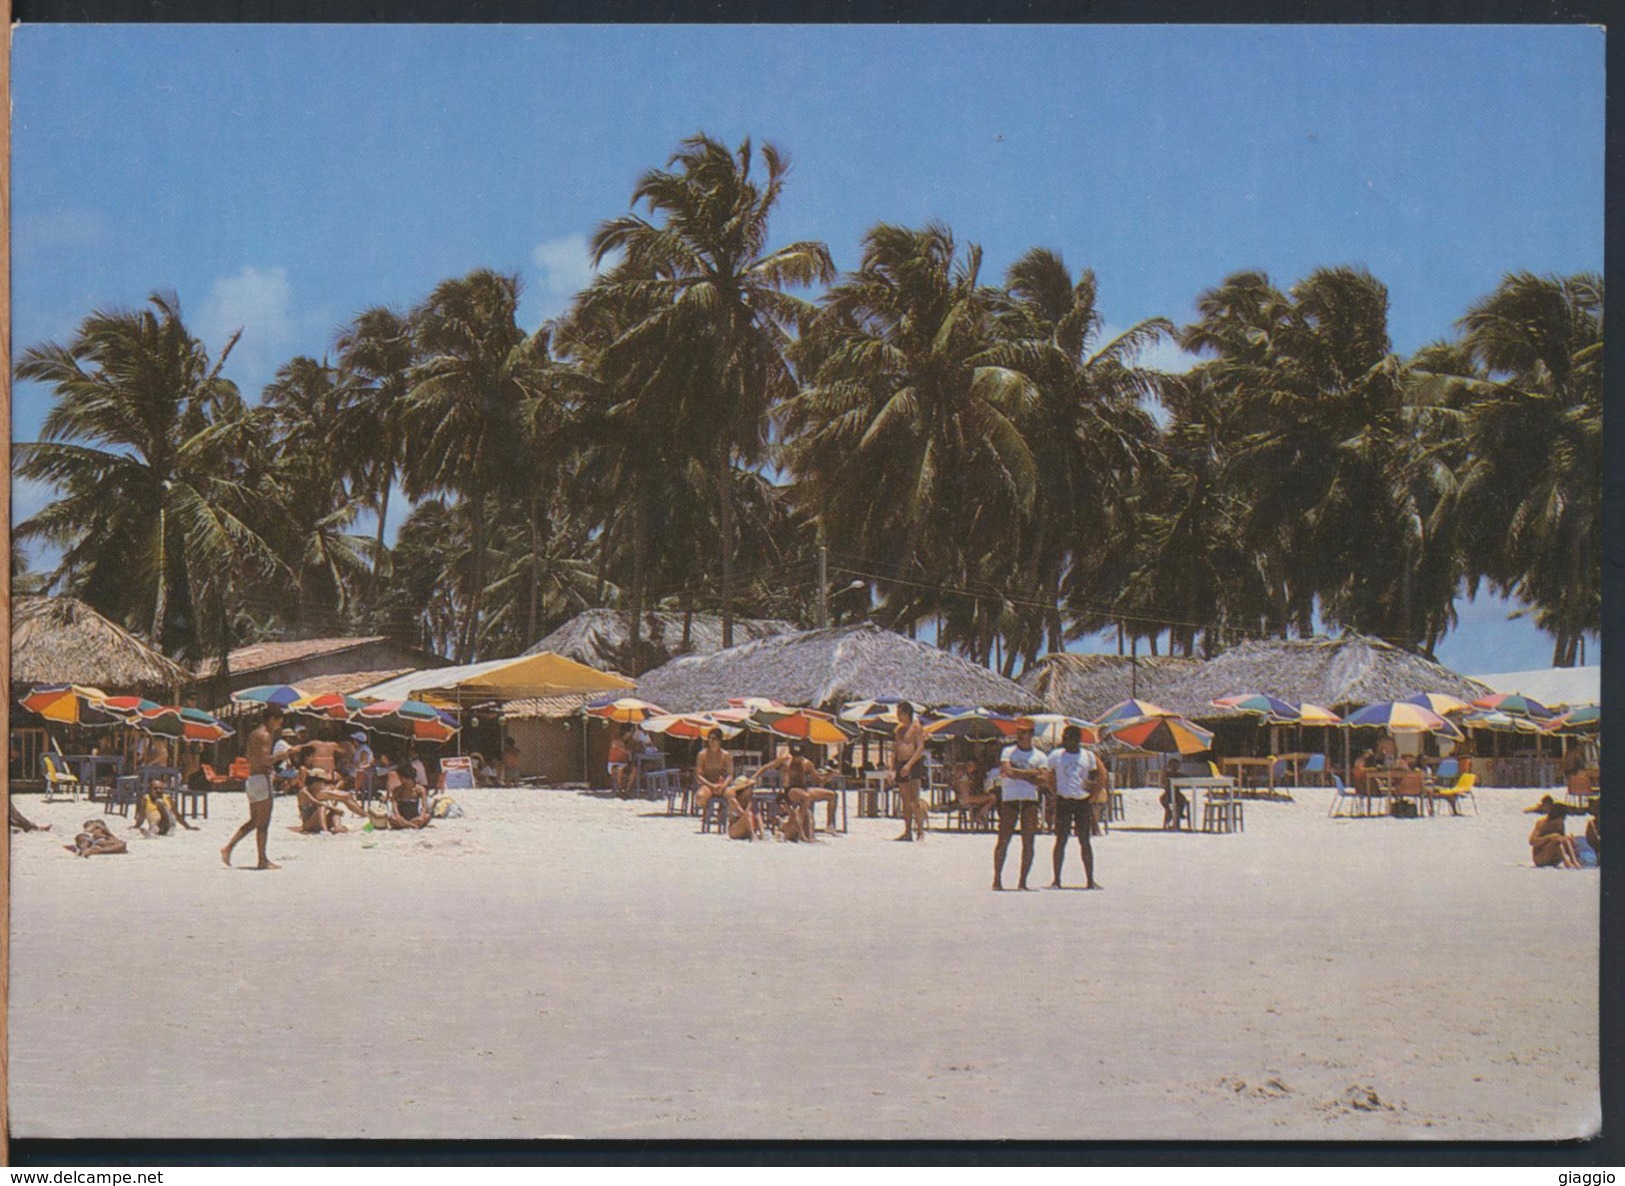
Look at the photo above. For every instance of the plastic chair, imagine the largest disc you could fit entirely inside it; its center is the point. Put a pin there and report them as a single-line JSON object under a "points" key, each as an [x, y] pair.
{"points": [[126, 789], [1317, 767], [1345, 794], [1462, 790], [56, 778], [1448, 768]]}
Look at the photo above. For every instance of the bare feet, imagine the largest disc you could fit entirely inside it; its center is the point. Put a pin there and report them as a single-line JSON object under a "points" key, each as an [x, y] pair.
{"points": [[997, 885], [1094, 885], [267, 865], [1056, 884], [225, 856], [904, 836]]}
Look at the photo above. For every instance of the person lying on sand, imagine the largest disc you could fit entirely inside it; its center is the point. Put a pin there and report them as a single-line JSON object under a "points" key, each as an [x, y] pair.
{"points": [[316, 814], [155, 813], [23, 824], [1550, 846], [95, 841]]}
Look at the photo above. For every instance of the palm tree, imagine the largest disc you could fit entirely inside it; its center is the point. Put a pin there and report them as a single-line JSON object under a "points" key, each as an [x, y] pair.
{"points": [[1088, 428], [1529, 490], [144, 443], [717, 319], [907, 440], [376, 356], [476, 371]]}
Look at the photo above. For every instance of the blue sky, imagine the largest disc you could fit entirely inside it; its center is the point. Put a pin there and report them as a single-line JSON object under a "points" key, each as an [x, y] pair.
{"points": [[281, 179]]}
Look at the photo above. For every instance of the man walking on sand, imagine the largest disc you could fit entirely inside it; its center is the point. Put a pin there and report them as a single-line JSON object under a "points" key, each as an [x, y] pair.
{"points": [[258, 788], [1076, 772], [1022, 769], [908, 751]]}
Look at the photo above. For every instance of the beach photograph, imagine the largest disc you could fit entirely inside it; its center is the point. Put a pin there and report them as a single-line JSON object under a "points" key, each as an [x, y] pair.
{"points": [[756, 583]]}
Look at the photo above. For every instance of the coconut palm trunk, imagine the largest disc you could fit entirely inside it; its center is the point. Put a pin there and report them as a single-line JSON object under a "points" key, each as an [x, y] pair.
{"points": [[725, 519]]}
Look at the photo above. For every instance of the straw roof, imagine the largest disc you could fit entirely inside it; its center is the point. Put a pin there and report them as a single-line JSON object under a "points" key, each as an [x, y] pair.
{"points": [[1337, 673], [598, 637], [825, 668], [1087, 685], [60, 640]]}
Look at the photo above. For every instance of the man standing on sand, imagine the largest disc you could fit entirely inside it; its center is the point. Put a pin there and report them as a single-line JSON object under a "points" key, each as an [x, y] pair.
{"points": [[1076, 772], [258, 788], [908, 751], [1022, 769]]}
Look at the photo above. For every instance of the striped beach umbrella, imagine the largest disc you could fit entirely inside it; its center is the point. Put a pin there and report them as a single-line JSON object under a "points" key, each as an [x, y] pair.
{"points": [[1515, 704], [1440, 702], [1586, 718], [977, 725], [128, 706], [281, 695], [334, 706], [71, 704], [1261, 704], [184, 724], [1314, 714], [625, 710], [1163, 735], [1399, 717], [805, 724], [1500, 722], [1131, 710], [407, 718], [690, 726], [1049, 726]]}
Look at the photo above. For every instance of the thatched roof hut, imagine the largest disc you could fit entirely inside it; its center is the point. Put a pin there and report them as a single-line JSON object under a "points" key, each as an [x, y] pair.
{"points": [[60, 640], [1087, 685], [1336, 673], [826, 668], [599, 637]]}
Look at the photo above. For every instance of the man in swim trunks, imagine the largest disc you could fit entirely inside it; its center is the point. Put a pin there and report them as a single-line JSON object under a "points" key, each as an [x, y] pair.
{"points": [[713, 772], [908, 751], [258, 788], [801, 785]]}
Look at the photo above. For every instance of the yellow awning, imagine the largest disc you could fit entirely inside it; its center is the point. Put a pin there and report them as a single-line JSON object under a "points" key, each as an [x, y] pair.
{"points": [[545, 674]]}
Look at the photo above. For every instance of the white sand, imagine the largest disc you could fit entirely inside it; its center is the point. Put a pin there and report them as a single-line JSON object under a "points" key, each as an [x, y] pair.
{"points": [[562, 965]]}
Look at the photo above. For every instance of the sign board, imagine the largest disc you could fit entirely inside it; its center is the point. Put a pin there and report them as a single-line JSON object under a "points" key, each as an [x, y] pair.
{"points": [[457, 774]]}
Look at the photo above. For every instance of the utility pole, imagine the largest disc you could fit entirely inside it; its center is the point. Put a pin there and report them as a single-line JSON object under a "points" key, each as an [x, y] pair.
{"points": [[823, 586]]}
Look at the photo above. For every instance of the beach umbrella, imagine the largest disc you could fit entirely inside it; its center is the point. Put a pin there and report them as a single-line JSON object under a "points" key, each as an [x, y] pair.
{"points": [[128, 706], [805, 724], [1514, 704], [1500, 722], [281, 695], [689, 726], [407, 718], [753, 703], [1048, 727], [881, 708], [1131, 710], [1261, 704], [335, 706], [1163, 735], [977, 725], [71, 704], [626, 710], [1399, 717], [1587, 718], [1314, 714], [1439, 702], [184, 724]]}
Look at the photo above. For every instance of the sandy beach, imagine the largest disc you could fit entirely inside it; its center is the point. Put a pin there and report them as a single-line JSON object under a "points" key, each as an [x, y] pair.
{"points": [[562, 965]]}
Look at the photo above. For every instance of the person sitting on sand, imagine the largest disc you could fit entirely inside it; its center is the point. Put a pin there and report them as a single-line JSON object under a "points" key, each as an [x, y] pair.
{"points": [[407, 802], [22, 823], [1594, 832], [795, 821], [971, 793], [95, 841], [1550, 845], [744, 821], [316, 813], [155, 813]]}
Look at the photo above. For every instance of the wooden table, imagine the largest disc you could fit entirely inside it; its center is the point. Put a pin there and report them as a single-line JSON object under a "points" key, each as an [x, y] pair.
{"points": [[1239, 767], [1208, 784], [1386, 782]]}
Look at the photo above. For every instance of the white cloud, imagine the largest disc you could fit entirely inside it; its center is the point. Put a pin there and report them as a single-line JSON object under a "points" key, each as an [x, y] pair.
{"points": [[1164, 356], [564, 268], [260, 303]]}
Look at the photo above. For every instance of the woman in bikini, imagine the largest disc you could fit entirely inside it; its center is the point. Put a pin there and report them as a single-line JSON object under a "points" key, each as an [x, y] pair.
{"points": [[95, 841], [1550, 845], [744, 821]]}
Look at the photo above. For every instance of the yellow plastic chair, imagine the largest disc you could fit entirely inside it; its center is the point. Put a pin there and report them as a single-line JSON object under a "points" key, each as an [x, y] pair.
{"points": [[1462, 790], [56, 778]]}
